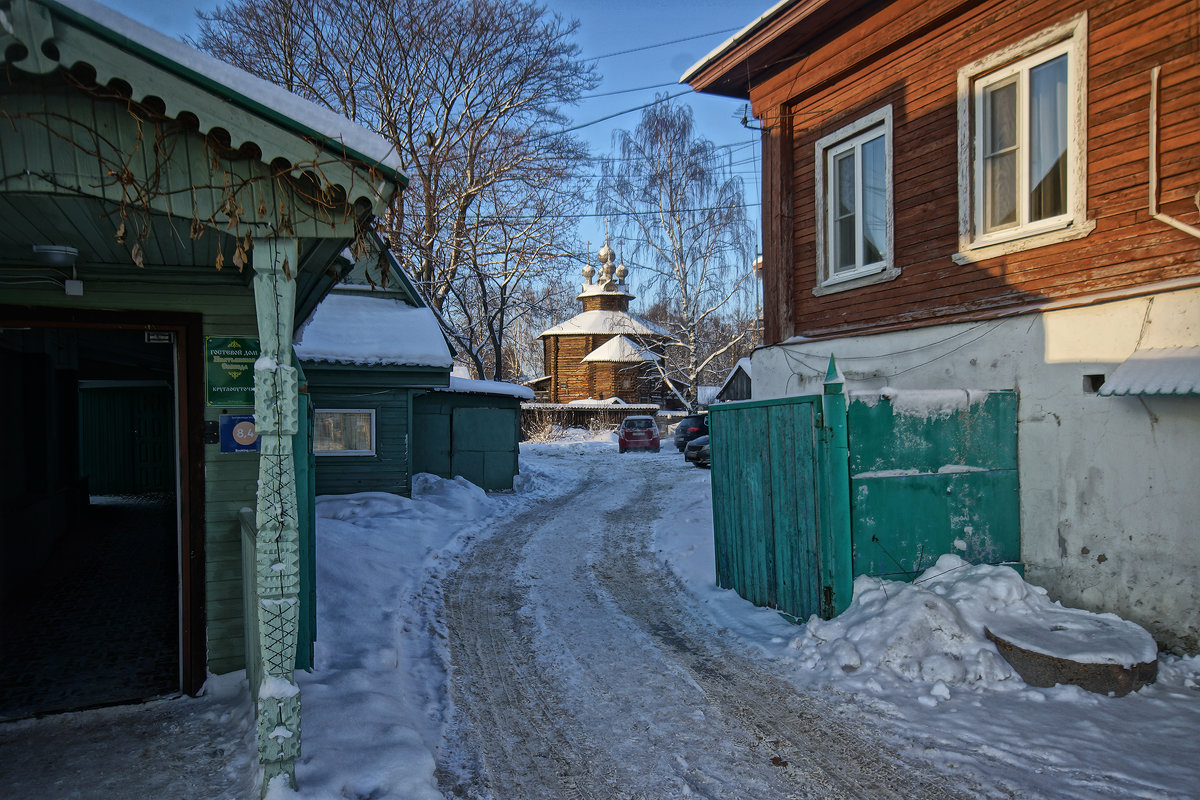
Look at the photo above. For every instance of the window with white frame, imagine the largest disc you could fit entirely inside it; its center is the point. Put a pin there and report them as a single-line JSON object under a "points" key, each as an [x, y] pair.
{"points": [[1022, 176], [344, 432], [854, 204]]}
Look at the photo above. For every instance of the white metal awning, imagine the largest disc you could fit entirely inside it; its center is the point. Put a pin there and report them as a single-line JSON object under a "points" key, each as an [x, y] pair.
{"points": [[1156, 371]]}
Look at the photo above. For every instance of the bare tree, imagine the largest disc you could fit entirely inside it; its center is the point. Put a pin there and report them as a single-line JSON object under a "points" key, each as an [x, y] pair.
{"points": [[471, 93], [682, 212]]}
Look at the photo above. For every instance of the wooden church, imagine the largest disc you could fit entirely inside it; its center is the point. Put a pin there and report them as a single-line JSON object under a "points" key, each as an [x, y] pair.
{"points": [[604, 352]]}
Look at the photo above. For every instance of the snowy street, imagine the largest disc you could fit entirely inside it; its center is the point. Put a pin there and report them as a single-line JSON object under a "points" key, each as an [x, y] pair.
{"points": [[566, 640], [580, 669]]}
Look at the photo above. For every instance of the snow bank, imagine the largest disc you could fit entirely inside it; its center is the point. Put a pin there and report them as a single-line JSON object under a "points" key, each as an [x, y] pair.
{"points": [[932, 630]]}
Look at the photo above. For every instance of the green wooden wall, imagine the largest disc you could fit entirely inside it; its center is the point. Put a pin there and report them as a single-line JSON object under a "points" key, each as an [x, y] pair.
{"points": [[766, 458], [809, 492], [385, 471]]}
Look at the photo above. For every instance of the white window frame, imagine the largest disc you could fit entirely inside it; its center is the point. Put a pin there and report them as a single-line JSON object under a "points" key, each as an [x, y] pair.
{"points": [[1014, 62], [374, 434], [845, 139]]}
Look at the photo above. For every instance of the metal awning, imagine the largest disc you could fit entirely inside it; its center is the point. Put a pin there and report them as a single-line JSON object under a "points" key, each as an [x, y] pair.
{"points": [[1156, 371]]}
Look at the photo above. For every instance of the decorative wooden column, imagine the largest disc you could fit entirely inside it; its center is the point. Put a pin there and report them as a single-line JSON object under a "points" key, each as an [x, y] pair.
{"points": [[277, 541]]}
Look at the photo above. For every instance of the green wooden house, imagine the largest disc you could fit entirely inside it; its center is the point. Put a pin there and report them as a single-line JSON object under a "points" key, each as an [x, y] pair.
{"points": [[384, 401], [167, 220]]}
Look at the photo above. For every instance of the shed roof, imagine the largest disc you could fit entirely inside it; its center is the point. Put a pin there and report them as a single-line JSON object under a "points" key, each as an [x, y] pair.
{"points": [[472, 386], [743, 364], [365, 330]]}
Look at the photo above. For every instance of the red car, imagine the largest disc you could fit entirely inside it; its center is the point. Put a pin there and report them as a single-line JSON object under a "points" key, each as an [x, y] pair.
{"points": [[638, 432]]}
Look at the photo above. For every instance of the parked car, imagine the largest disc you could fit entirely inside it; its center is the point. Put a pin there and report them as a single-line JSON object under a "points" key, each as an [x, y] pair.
{"points": [[698, 453], [689, 428], [638, 433]]}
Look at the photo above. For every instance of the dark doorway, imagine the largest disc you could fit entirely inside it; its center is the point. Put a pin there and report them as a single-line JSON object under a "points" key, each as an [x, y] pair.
{"points": [[89, 519]]}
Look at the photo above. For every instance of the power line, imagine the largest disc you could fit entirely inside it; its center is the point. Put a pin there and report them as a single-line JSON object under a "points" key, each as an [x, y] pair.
{"points": [[653, 102], [628, 91], [664, 44]]}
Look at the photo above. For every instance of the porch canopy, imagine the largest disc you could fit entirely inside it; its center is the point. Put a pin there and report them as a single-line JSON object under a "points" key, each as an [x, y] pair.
{"points": [[154, 160], [137, 170], [1156, 371]]}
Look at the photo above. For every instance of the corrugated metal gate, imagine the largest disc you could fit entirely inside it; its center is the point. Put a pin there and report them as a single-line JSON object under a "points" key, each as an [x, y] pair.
{"points": [[809, 493]]}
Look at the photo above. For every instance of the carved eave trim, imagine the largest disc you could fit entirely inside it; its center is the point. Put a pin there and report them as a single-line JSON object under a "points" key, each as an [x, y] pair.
{"points": [[53, 36]]}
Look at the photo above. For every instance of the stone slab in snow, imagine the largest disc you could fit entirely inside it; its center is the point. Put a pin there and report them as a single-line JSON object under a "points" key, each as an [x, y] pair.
{"points": [[1098, 652]]}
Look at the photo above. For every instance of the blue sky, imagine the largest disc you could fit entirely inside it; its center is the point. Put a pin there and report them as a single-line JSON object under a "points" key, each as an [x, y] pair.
{"points": [[607, 29]]}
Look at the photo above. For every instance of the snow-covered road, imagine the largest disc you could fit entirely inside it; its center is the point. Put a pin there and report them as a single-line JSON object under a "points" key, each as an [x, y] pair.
{"points": [[579, 669], [567, 640]]}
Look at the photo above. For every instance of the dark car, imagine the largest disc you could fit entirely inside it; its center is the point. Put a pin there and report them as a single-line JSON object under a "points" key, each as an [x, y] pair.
{"points": [[689, 428], [697, 452], [638, 433]]}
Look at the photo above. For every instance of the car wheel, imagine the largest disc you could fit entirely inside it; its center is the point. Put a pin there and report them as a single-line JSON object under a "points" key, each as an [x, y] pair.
{"points": [[620, 449]]}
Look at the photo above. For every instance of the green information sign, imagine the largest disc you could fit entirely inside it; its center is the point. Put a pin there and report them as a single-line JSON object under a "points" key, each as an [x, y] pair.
{"points": [[229, 370]]}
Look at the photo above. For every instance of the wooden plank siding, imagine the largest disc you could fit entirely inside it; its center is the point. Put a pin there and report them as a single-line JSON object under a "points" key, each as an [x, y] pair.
{"points": [[388, 469], [583, 379], [908, 54], [229, 480]]}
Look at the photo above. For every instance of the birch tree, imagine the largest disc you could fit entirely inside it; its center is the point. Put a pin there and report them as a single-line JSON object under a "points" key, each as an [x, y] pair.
{"points": [[682, 215], [471, 94]]}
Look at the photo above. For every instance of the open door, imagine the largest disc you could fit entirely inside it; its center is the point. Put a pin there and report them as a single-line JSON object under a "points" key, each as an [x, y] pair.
{"points": [[95, 607]]}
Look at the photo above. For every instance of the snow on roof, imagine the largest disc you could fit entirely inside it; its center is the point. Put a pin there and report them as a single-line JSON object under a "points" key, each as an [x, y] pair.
{"points": [[472, 386], [743, 364], [244, 89], [356, 329], [621, 350], [602, 322], [1158, 370], [592, 403]]}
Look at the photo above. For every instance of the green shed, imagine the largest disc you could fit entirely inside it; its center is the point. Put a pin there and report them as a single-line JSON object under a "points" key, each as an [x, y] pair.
{"points": [[470, 429], [385, 403], [367, 354]]}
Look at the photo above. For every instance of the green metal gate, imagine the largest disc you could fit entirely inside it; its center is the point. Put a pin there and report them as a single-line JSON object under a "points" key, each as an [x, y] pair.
{"points": [[809, 493], [926, 482]]}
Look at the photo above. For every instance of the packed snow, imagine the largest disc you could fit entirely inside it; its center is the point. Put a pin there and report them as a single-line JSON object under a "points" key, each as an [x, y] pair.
{"points": [[912, 657]]}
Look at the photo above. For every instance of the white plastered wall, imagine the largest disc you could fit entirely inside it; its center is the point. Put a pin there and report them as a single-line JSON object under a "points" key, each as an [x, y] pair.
{"points": [[1110, 486]]}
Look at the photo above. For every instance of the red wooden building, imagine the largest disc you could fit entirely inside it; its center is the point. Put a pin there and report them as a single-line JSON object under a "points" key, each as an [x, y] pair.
{"points": [[1001, 195]]}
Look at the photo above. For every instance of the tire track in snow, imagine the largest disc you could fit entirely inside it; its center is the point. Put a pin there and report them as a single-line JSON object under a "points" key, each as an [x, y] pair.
{"points": [[577, 670]]}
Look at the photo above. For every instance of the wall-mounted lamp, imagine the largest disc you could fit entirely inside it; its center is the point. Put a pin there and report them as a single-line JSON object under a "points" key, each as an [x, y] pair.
{"points": [[60, 256], [55, 255]]}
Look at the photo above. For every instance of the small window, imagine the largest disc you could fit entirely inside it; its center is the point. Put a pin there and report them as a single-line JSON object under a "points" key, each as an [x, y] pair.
{"points": [[1021, 134], [854, 204], [344, 432]]}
